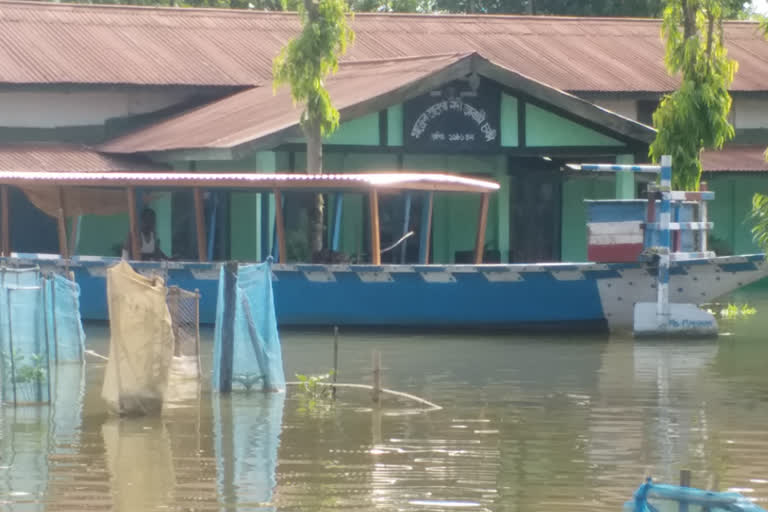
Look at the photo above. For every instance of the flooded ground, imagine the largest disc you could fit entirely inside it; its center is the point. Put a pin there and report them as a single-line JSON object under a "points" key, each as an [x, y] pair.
{"points": [[528, 423]]}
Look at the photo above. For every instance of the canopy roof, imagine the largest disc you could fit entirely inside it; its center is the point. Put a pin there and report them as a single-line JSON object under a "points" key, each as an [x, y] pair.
{"points": [[283, 181]]}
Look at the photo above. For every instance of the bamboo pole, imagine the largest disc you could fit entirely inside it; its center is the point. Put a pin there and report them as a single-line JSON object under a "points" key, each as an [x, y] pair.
{"points": [[135, 248], [62, 226], [202, 243], [375, 229], [335, 359], [482, 224], [5, 243], [282, 256]]}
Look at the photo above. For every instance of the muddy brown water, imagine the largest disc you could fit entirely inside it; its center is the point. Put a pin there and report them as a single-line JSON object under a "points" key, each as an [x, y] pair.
{"points": [[529, 423]]}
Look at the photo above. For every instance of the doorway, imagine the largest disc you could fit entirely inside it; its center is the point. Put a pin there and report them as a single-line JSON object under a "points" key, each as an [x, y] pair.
{"points": [[535, 210]]}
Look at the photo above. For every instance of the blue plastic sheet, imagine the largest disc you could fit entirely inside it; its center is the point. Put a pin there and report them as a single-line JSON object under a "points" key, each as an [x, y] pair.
{"points": [[251, 343], [652, 497]]}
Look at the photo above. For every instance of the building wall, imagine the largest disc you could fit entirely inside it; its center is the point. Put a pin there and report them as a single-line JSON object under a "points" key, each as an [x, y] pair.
{"points": [[80, 108], [624, 107], [749, 112]]}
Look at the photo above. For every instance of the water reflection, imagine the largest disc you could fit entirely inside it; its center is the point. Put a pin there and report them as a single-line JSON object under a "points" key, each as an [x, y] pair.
{"points": [[528, 423], [247, 434]]}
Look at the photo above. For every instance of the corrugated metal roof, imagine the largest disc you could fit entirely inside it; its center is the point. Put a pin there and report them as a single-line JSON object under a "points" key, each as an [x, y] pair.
{"points": [[401, 180], [259, 118], [258, 113], [40, 157], [735, 159], [44, 43]]}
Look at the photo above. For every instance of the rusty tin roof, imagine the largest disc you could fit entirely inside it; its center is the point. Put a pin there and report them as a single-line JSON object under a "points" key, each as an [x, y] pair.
{"points": [[47, 43]]}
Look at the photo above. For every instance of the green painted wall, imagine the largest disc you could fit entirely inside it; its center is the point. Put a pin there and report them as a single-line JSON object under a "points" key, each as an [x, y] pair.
{"points": [[395, 125], [99, 234], [731, 208], [574, 221], [455, 216], [363, 131], [543, 128], [509, 123], [162, 206]]}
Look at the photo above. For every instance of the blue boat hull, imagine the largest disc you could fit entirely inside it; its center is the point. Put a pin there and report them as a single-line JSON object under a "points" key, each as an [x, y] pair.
{"points": [[437, 296]]}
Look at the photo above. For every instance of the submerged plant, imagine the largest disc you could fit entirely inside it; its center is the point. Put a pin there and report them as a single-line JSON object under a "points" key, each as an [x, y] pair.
{"points": [[316, 391], [248, 380]]}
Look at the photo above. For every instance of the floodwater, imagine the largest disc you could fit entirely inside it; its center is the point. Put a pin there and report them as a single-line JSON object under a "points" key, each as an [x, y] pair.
{"points": [[529, 423]]}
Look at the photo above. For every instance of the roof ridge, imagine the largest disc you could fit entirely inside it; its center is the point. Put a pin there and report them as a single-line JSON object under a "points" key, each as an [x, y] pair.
{"points": [[255, 12], [406, 58]]}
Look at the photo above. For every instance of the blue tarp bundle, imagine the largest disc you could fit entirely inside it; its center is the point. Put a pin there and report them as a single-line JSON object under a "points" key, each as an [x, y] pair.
{"points": [[652, 497], [39, 324], [247, 353]]}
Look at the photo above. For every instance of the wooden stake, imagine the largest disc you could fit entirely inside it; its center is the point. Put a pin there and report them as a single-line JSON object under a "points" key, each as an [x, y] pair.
{"points": [[685, 481], [481, 225], [62, 225], [282, 257], [135, 248], [375, 229], [376, 391], [5, 242], [202, 243], [335, 359]]}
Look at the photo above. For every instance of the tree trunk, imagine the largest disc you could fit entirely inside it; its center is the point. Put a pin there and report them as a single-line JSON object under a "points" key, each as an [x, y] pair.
{"points": [[315, 166]]}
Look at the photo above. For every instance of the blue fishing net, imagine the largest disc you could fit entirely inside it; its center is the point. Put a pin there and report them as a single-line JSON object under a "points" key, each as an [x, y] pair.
{"points": [[39, 325], [23, 341], [652, 497], [65, 328], [247, 352]]}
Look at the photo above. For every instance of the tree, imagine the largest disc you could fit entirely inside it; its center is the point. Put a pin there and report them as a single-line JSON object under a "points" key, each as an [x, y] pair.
{"points": [[303, 64], [760, 201], [696, 115]]}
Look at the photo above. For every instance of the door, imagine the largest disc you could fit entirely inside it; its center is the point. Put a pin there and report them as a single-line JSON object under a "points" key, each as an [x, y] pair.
{"points": [[535, 209]]}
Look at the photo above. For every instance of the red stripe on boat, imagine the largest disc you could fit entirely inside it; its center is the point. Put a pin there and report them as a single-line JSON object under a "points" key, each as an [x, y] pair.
{"points": [[618, 253]]}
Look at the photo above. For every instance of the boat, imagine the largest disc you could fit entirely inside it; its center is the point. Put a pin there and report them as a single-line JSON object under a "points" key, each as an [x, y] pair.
{"points": [[652, 497], [588, 296]]}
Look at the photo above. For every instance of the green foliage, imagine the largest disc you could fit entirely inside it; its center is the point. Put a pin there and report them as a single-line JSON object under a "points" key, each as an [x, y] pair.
{"points": [[733, 311], [696, 115], [316, 392], [759, 216], [307, 59], [25, 372]]}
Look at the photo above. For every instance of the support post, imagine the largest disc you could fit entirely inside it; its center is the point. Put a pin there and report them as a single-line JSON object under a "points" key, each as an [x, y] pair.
{"points": [[62, 226], [406, 225], [338, 204], [200, 224], [481, 225], [662, 281], [426, 229], [6, 222], [212, 225], [228, 329], [282, 255], [703, 217], [133, 223], [376, 391], [373, 204], [74, 234]]}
